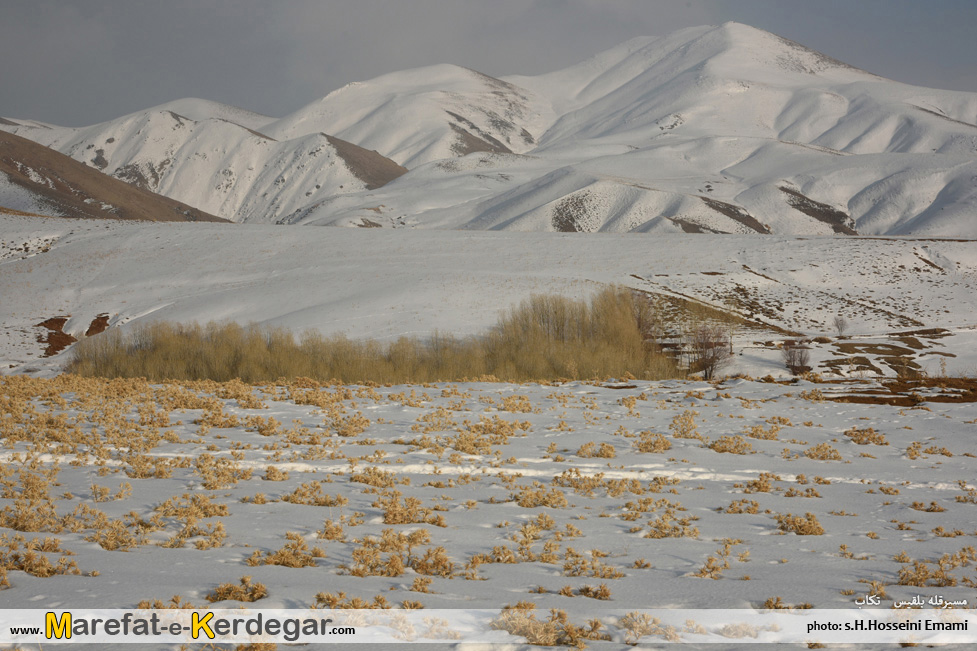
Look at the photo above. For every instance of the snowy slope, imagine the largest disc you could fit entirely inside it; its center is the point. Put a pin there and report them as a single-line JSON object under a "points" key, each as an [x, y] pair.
{"points": [[412, 283], [217, 165], [40, 181], [420, 115], [709, 129]]}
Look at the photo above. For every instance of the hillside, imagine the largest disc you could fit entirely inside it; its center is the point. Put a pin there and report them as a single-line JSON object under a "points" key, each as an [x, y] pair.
{"points": [[36, 180], [721, 129], [907, 301], [215, 164]]}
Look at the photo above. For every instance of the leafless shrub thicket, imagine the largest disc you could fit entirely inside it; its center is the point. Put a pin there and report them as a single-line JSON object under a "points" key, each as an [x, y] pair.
{"points": [[796, 356], [545, 337], [708, 349]]}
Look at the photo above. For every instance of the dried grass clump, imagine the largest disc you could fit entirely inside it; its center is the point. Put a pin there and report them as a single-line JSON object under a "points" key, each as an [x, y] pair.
{"points": [[757, 432], [822, 452], [683, 426], [669, 525], [557, 630], [762, 484], [866, 436], [652, 442], [638, 625], [544, 338], [295, 553], [246, 591], [919, 573], [393, 552], [932, 507], [310, 493], [716, 565], [220, 472], [732, 445], [341, 601], [17, 553], [576, 564], [530, 497], [970, 494], [192, 507], [373, 476], [776, 603], [408, 511], [590, 450], [743, 506], [806, 525]]}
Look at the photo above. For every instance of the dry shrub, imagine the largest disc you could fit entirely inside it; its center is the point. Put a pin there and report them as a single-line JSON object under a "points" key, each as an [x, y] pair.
{"points": [[393, 552], [683, 426], [275, 474], [743, 506], [408, 511], [341, 601], [822, 452], [557, 630], [762, 484], [716, 565], [377, 478], [757, 432], [776, 603], [732, 445], [536, 495], [638, 625], [921, 574], [866, 436], [295, 553], [669, 525], [310, 493], [601, 592], [576, 564], [806, 525], [590, 450], [652, 442], [192, 507], [17, 553], [246, 591], [545, 337], [219, 472], [933, 507], [116, 537]]}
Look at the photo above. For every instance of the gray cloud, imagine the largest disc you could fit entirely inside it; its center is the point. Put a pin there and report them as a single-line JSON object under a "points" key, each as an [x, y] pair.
{"points": [[80, 63]]}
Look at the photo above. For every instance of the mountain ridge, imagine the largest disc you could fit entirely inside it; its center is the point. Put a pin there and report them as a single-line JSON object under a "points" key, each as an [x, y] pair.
{"points": [[714, 128]]}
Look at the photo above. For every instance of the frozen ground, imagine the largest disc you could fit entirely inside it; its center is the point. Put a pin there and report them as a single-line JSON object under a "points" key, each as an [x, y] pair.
{"points": [[583, 497], [904, 299]]}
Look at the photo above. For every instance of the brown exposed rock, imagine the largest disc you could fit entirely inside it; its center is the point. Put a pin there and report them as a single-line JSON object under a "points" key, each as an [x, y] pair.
{"points": [[68, 188]]}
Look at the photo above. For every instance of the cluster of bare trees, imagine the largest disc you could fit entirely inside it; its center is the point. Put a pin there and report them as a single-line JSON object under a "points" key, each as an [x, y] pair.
{"points": [[796, 356], [708, 348]]}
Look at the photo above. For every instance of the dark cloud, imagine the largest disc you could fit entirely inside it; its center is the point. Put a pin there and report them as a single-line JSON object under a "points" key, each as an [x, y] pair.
{"points": [[79, 63]]}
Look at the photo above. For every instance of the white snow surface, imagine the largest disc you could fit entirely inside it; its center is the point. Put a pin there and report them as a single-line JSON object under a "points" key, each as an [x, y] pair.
{"points": [[383, 284], [647, 136], [642, 524]]}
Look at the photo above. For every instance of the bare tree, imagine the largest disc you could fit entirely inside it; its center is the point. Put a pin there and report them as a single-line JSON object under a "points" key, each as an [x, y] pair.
{"points": [[841, 324], [796, 356], [708, 349]]}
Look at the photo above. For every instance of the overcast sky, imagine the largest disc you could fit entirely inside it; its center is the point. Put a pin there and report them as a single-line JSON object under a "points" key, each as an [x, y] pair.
{"points": [[81, 62]]}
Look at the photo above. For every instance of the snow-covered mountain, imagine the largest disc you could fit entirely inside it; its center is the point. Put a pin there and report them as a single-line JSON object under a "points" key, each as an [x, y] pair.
{"points": [[35, 180], [218, 165], [709, 129]]}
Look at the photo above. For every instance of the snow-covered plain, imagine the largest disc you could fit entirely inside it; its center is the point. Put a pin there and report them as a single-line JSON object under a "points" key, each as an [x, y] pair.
{"points": [[915, 299], [586, 497]]}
